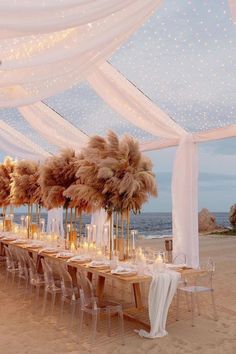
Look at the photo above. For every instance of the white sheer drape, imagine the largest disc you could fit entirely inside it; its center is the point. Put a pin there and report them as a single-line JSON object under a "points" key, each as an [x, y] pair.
{"points": [[57, 130], [185, 201], [131, 103], [100, 218], [55, 222], [33, 17], [46, 64], [232, 5], [17, 145]]}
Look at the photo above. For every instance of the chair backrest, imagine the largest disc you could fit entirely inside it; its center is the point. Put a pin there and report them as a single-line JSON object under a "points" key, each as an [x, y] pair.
{"points": [[67, 286], [87, 296], [9, 258], [48, 274], [20, 260], [205, 278], [32, 268], [180, 259]]}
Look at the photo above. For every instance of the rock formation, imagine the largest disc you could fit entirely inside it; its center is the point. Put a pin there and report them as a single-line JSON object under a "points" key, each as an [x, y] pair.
{"points": [[206, 221], [232, 216]]}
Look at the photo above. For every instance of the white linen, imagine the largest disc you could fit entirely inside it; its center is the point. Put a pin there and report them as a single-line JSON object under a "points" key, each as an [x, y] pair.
{"points": [[55, 221], [131, 103], [45, 64], [57, 130], [99, 218], [18, 145], [185, 201], [32, 17], [161, 292]]}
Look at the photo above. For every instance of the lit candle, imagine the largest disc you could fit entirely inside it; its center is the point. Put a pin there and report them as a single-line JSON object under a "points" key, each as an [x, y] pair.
{"points": [[133, 233], [89, 232], [42, 225], [72, 247], [94, 233], [159, 265]]}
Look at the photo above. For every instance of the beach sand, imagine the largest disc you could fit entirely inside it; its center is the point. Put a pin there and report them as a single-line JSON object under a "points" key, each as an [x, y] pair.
{"points": [[23, 331]]}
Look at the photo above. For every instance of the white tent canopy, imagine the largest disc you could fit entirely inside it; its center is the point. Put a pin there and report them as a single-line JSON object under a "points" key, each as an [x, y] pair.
{"points": [[61, 44]]}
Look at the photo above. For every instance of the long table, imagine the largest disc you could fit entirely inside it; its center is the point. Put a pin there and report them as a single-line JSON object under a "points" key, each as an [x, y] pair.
{"points": [[134, 281]]}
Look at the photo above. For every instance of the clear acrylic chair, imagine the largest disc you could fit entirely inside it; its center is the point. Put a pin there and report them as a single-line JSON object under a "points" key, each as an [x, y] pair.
{"points": [[52, 286], [69, 293], [180, 259], [11, 265], [91, 305], [23, 273], [203, 283], [36, 280]]}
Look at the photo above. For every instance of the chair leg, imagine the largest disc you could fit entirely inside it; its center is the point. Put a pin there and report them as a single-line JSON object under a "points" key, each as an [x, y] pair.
{"points": [[94, 328], [73, 305], [53, 302], [121, 320], [214, 305], [198, 304], [177, 305], [6, 281], [187, 302], [44, 302], [108, 322], [37, 295], [193, 307], [61, 312], [81, 318]]}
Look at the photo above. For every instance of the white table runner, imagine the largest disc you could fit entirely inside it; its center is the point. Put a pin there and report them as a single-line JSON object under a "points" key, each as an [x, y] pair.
{"points": [[161, 292]]}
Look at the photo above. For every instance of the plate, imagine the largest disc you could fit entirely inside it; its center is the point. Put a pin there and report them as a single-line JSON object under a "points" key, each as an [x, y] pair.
{"points": [[125, 274], [79, 259], [8, 238], [100, 266], [36, 245], [64, 255], [49, 250], [20, 242]]}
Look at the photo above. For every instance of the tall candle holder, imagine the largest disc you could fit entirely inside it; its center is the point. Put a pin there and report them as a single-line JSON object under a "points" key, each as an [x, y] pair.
{"points": [[22, 220], [134, 234]]}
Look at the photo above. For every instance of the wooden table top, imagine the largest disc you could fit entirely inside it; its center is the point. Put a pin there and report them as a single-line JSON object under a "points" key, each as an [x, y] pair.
{"points": [[100, 272]]}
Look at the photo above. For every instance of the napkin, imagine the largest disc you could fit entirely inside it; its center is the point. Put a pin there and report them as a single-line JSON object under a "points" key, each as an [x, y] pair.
{"points": [[98, 263], [173, 266], [49, 250], [64, 254], [123, 269], [79, 258]]}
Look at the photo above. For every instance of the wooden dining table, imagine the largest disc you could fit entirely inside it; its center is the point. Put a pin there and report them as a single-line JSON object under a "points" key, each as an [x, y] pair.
{"points": [[135, 281]]}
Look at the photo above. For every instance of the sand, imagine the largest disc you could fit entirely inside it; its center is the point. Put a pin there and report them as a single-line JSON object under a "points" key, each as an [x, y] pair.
{"points": [[22, 330]]}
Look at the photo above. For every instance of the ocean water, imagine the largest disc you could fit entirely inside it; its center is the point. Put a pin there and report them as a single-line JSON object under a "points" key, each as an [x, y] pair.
{"points": [[149, 224]]}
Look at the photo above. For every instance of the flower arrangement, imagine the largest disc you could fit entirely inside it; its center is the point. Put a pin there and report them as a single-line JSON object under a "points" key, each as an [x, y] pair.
{"points": [[113, 174], [25, 189], [6, 169], [56, 175]]}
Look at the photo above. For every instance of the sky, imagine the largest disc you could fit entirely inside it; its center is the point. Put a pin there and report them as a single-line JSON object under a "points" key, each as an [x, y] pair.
{"points": [[184, 60]]}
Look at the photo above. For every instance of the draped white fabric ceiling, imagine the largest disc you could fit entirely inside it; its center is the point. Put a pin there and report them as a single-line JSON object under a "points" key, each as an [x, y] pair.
{"points": [[183, 59]]}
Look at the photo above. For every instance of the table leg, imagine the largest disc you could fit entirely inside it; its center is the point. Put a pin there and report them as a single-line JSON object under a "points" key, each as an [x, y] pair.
{"points": [[137, 296], [72, 271], [39, 266], [2, 253], [90, 276], [100, 286]]}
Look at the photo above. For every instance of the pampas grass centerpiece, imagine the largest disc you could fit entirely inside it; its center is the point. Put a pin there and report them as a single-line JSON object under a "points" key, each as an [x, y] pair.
{"points": [[6, 169], [113, 174], [25, 188], [56, 175]]}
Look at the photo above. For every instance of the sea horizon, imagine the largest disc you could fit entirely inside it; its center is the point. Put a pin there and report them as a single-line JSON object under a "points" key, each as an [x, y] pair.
{"points": [[153, 224]]}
